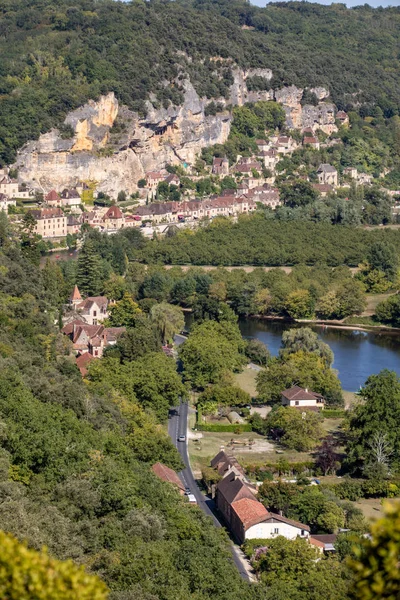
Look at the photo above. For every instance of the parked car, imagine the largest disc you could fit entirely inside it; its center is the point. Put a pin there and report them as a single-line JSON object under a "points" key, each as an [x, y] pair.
{"points": [[182, 438]]}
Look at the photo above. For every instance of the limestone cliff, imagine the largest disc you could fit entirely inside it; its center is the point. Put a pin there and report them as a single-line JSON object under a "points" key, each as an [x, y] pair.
{"points": [[114, 147]]}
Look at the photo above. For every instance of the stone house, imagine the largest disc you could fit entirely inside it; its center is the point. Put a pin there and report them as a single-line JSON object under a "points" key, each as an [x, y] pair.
{"points": [[247, 165], [327, 174], [270, 158], [297, 397], [71, 199], [173, 179], [311, 141], [91, 339], [247, 518], [342, 117], [262, 145], [220, 166], [285, 144], [93, 309], [73, 225], [53, 199], [350, 172], [113, 218], [153, 178], [323, 189], [224, 465], [9, 187], [50, 222]]}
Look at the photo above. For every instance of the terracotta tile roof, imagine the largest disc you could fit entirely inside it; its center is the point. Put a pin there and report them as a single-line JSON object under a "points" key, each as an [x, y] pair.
{"points": [[298, 393], [83, 361], [114, 212], [250, 511], [52, 196], [167, 474], [280, 519], [310, 140], [47, 213], [76, 295]]}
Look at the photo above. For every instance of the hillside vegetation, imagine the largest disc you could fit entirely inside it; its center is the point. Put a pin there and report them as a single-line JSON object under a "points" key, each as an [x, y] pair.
{"points": [[56, 55]]}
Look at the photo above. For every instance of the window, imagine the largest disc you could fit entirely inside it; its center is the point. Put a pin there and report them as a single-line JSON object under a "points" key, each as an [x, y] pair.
{"points": [[303, 532], [296, 403], [96, 352], [95, 313], [276, 530]]}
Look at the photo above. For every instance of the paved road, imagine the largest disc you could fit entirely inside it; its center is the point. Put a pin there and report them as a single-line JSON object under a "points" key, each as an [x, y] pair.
{"points": [[177, 426]]}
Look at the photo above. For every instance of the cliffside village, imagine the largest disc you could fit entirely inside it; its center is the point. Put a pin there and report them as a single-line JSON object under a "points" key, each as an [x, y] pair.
{"points": [[63, 212]]}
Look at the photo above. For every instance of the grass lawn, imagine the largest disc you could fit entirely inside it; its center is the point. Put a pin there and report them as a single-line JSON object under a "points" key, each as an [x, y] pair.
{"points": [[246, 380], [350, 399], [373, 301], [371, 507]]}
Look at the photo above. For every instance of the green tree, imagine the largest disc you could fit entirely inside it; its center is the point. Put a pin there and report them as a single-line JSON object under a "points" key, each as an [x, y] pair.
{"points": [[27, 574], [299, 304], [168, 319], [306, 340], [376, 418], [382, 256], [124, 312], [89, 276], [298, 193], [295, 429], [257, 352]]}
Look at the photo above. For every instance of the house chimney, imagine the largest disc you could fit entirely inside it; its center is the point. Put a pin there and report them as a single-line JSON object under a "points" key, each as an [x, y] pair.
{"points": [[306, 390]]}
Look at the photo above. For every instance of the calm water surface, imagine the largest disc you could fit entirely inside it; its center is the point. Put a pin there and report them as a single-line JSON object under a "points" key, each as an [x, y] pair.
{"points": [[357, 354]]}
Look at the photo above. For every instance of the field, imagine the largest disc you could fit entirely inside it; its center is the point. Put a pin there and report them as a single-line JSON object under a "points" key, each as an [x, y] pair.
{"points": [[247, 381], [372, 302]]}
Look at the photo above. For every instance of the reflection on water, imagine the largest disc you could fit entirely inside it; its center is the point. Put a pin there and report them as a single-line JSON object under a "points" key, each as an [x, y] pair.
{"points": [[357, 354]]}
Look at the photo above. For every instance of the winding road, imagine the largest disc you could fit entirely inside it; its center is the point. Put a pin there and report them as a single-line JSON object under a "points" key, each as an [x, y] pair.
{"points": [[177, 426]]}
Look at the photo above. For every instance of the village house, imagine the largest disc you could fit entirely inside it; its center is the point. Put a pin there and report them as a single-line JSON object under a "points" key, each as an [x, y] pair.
{"points": [[50, 222], [6, 202], [94, 218], [173, 179], [364, 179], [247, 518], [285, 144], [247, 165], [169, 475], [350, 172], [324, 542], [71, 199], [73, 225], [220, 166], [9, 187], [342, 117], [53, 199], [327, 174], [298, 397], [323, 189], [93, 309], [270, 158], [92, 339], [153, 178], [311, 141], [224, 465], [262, 145], [113, 218]]}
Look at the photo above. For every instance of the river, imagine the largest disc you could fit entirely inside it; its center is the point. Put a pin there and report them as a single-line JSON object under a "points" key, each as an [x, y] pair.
{"points": [[357, 354]]}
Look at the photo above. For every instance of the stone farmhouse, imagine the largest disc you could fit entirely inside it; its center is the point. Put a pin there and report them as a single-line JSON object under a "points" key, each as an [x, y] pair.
{"points": [[220, 166], [91, 338], [247, 518], [327, 175], [298, 397]]}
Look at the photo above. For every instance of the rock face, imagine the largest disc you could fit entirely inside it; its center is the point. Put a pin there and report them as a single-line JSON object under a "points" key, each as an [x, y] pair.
{"points": [[114, 147], [116, 162]]}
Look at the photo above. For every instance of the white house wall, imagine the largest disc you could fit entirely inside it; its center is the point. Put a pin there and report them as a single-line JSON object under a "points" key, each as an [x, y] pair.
{"points": [[267, 530]]}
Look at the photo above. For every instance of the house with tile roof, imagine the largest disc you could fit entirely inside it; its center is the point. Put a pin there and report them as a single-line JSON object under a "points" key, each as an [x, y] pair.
{"points": [[169, 475], [224, 465], [298, 397], [247, 518], [50, 222], [53, 199], [113, 218], [83, 361]]}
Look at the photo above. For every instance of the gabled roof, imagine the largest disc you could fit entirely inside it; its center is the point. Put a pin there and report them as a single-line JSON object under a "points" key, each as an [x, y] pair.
{"points": [[232, 489], [280, 519], [114, 212], [250, 511], [325, 168], [220, 457], [88, 302], [83, 361], [298, 393], [71, 193], [166, 474], [52, 196], [47, 213]]}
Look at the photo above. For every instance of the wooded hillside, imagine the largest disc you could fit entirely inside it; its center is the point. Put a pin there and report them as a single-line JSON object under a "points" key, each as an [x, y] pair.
{"points": [[55, 56]]}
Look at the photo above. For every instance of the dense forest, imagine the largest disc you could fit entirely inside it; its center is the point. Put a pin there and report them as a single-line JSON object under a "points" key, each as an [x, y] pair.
{"points": [[55, 56]]}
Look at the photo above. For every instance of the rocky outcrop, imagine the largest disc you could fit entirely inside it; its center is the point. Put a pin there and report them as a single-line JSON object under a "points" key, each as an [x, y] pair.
{"points": [[116, 162], [114, 147]]}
